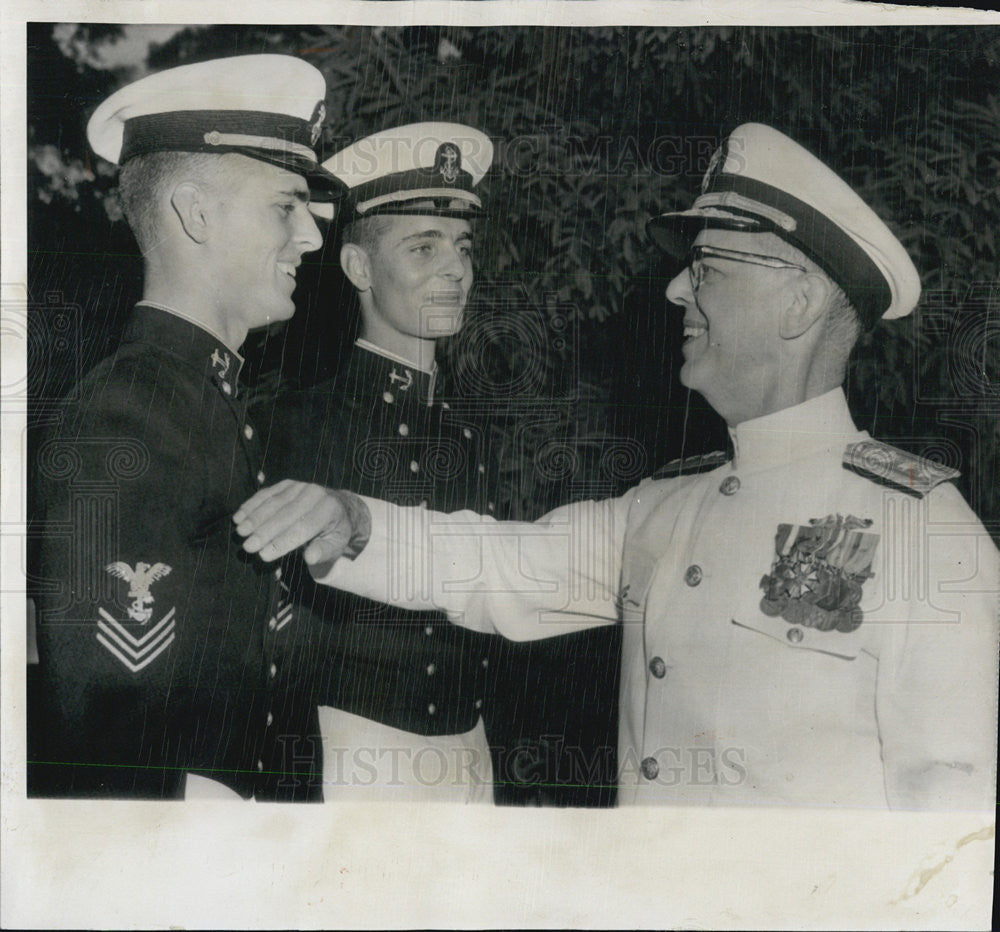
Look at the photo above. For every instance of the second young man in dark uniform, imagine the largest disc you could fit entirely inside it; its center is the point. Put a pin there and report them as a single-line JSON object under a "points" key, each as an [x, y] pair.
{"points": [[401, 693]]}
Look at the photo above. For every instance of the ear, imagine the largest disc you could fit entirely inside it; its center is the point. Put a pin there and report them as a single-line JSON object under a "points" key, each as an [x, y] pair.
{"points": [[810, 297], [357, 266], [189, 203]]}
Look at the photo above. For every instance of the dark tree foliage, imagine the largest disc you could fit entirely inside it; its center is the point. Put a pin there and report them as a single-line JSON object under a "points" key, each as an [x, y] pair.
{"points": [[570, 342]]}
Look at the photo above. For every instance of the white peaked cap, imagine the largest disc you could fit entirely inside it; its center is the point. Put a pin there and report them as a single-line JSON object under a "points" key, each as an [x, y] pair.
{"points": [[420, 168], [267, 107], [762, 181]]}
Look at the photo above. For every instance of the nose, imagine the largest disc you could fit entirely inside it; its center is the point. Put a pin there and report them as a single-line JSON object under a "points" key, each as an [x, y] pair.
{"points": [[307, 234], [453, 265], [679, 290]]}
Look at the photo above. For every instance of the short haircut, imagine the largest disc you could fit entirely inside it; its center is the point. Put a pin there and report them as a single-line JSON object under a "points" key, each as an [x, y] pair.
{"points": [[146, 178], [841, 328], [841, 322], [366, 232]]}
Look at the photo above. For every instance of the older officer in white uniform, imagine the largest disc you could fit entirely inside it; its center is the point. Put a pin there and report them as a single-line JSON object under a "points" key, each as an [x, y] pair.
{"points": [[812, 622]]}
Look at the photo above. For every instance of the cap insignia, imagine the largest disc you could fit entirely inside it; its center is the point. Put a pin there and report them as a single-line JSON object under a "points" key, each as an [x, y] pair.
{"points": [[316, 122], [448, 162], [715, 165]]}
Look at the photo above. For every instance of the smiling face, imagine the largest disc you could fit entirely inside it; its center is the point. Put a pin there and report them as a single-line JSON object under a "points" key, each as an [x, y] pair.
{"points": [[733, 350], [261, 229], [419, 273]]}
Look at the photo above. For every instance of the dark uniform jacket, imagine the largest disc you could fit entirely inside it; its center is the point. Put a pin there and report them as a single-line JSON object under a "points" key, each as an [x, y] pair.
{"points": [[377, 430], [164, 647]]}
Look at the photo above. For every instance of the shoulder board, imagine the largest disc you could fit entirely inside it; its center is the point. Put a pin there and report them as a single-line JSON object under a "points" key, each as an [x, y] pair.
{"points": [[889, 465], [692, 465]]}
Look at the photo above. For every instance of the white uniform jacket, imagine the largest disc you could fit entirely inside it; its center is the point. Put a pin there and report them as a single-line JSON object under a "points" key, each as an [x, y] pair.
{"points": [[795, 633]]}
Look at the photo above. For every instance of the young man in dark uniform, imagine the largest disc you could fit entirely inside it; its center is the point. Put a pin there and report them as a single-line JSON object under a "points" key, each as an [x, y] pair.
{"points": [[169, 662], [401, 693]]}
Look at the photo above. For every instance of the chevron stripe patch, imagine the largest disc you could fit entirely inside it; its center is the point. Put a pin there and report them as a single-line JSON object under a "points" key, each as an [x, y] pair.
{"points": [[283, 617], [135, 653]]}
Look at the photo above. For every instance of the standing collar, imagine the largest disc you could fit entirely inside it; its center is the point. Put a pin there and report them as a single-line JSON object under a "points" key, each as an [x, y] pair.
{"points": [[201, 325], [190, 341], [401, 376], [821, 423], [402, 360]]}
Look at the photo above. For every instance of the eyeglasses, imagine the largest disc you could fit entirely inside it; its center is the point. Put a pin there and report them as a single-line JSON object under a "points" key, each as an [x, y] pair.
{"points": [[696, 268]]}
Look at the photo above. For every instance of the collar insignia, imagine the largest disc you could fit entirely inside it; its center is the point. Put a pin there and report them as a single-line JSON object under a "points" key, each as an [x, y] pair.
{"points": [[221, 363], [405, 381]]}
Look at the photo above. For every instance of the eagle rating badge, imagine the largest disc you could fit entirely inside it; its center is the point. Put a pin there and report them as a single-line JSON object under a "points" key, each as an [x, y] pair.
{"points": [[135, 650], [818, 572]]}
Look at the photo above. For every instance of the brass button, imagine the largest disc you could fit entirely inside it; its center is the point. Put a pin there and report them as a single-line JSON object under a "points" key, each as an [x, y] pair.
{"points": [[270, 718], [260, 765], [479, 703], [273, 623], [693, 575], [404, 430], [429, 630], [432, 709], [794, 635], [213, 138], [414, 466], [248, 432], [466, 433], [277, 573], [273, 671], [481, 468], [658, 668], [486, 662], [431, 669], [388, 397], [730, 485], [227, 388], [650, 768], [261, 477]]}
